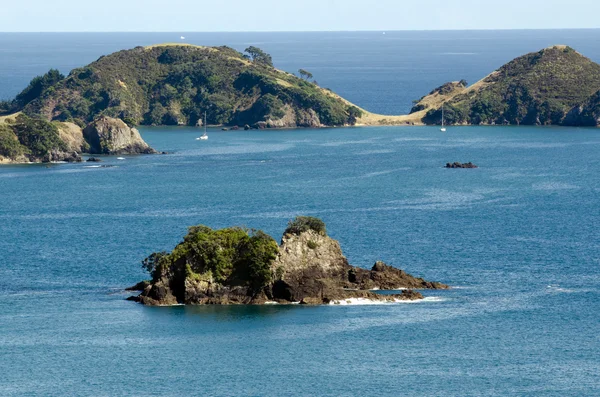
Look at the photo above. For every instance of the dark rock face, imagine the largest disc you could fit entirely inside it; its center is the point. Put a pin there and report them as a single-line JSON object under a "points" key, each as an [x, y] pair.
{"points": [[56, 155], [139, 286], [106, 135], [261, 125], [310, 268], [461, 165], [386, 277]]}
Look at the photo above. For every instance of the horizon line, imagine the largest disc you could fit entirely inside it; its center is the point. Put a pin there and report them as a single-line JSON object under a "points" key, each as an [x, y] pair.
{"points": [[307, 31]]}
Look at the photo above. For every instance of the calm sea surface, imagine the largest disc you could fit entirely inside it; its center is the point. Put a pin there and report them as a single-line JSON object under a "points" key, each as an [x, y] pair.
{"points": [[518, 238]]}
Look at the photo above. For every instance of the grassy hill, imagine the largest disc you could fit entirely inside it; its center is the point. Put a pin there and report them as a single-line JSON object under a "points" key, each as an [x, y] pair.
{"points": [[539, 88], [175, 84]]}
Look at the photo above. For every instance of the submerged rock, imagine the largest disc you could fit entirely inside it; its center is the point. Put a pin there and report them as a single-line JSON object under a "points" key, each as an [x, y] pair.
{"points": [[307, 267]]}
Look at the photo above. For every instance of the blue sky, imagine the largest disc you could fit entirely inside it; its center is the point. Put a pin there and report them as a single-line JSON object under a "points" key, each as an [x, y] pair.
{"points": [[285, 15]]}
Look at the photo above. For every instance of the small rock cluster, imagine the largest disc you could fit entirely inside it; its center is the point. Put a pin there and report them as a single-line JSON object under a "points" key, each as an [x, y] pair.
{"points": [[461, 165]]}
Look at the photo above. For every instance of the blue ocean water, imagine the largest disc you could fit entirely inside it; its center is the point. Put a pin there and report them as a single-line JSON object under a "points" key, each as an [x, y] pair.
{"points": [[517, 238]]}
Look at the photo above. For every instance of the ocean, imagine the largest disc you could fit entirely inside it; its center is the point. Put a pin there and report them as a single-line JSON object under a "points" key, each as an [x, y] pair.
{"points": [[517, 238]]}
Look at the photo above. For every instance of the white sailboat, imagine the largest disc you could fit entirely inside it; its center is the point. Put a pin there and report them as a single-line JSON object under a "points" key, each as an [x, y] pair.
{"points": [[443, 129], [204, 136]]}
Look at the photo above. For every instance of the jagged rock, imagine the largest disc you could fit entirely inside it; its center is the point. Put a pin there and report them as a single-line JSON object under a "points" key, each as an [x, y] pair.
{"points": [[107, 135], [460, 165], [94, 160], [307, 118], [288, 120], [309, 268], [57, 155], [142, 285], [386, 277], [72, 135], [261, 125]]}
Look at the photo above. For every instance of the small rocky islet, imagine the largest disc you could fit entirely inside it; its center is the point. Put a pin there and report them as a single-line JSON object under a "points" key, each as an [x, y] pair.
{"points": [[241, 266], [456, 164]]}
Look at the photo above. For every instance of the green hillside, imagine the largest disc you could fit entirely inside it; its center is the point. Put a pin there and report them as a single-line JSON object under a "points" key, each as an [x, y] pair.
{"points": [[175, 85], [539, 88]]}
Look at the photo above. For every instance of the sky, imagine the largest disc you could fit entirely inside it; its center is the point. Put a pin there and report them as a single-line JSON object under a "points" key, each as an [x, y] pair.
{"points": [[286, 15]]}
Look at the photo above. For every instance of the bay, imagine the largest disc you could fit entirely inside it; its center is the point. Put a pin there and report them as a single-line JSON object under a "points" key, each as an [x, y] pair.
{"points": [[517, 238]]}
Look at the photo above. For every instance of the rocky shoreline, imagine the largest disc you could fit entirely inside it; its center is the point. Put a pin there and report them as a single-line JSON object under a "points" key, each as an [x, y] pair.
{"points": [[67, 141], [308, 267]]}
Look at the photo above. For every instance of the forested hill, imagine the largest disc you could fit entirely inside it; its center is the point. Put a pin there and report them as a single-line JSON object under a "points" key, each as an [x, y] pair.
{"points": [[176, 84], [557, 86]]}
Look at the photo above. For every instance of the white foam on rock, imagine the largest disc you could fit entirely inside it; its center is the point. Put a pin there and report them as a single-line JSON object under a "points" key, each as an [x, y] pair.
{"points": [[366, 301]]}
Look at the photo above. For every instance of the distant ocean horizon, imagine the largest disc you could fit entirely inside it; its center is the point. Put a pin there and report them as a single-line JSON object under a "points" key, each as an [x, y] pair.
{"points": [[382, 73]]}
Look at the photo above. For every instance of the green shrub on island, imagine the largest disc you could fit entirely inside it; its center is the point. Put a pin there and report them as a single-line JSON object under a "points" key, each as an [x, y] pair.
{"points": [[257, 55], [302, 224], [38, 85], [35, 138], [312, 245], [39, 136], [231, 256], [10, 146]]}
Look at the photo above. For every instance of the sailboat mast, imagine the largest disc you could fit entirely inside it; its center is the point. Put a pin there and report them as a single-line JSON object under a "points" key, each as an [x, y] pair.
{"points": [[205, 122], [442, 115]]}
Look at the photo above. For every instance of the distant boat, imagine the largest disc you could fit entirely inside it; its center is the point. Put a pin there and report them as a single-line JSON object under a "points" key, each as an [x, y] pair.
{"points": [[182, 38], [120, 158], [204, 136], [443, 129]]}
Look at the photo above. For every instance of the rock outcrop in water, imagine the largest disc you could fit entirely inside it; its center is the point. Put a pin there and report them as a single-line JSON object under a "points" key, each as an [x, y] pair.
{"points": [[107, 135], [460, 165], [24, 139], [232, 266]]}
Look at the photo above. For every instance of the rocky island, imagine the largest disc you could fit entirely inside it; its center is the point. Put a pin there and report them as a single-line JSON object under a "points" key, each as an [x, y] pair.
{"points": [[554, 86], [95, 108], [238, 266]]}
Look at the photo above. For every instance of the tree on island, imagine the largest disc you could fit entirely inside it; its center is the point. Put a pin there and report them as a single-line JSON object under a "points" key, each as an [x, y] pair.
{"points": [[305, 74], [257, 55]]}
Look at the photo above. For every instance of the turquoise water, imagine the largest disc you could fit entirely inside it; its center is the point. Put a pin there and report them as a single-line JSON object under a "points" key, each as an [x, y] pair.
{"points": [[518, 238]]}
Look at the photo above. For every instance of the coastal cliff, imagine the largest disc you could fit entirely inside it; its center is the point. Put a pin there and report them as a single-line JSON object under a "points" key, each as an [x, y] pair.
{"points": [[32, 140], [235, 266], [106, 135]]}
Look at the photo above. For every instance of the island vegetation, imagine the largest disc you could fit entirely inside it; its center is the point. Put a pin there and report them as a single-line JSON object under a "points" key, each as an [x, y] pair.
{"points": [[175, 84], [555, 86], [243, 266]]}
